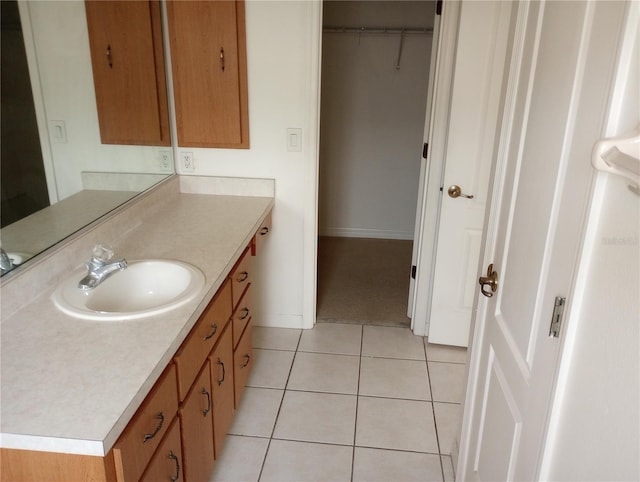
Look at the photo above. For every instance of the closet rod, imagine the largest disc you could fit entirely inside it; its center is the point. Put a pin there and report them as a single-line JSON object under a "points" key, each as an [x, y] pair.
{"points": [[395, 30]]}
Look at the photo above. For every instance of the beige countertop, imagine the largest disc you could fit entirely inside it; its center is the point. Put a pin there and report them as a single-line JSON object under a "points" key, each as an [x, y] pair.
{"points": [[71, 385]]}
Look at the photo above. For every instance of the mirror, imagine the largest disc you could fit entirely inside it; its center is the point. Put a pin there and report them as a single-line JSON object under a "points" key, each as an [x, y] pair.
{"points": [[57, 176]]}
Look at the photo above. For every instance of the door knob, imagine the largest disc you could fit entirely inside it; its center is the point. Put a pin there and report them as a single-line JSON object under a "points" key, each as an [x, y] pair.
{"points": [[491, 280], [455, 191]]}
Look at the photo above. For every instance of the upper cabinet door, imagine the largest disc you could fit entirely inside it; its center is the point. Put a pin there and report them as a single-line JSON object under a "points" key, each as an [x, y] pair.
{"points": [[209, 65], [128, 70]]}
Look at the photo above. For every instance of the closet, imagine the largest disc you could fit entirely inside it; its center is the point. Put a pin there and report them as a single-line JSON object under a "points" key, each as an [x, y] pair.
{"points": [[375, 70]]}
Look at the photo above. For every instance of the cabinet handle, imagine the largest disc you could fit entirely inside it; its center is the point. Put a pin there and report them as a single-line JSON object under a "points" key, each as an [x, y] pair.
{"points": [[220, 380], [243, 277], [149, 436], [247, 360], [214, 328], [174, 457], [208, 409], [245, 314], [264, 230], [109, 57], [221, 59]]}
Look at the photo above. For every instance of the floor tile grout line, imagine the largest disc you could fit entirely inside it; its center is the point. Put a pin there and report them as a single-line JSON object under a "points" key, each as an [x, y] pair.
{"points": [[433, 410], [355, 421], [284, 392]]}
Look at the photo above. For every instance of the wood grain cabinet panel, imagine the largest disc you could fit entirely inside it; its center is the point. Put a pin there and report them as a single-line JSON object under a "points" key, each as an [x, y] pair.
{"points": [[242, 363], [196, 424], [202, 339], [241, 316], [221, 361], [209, 65], [127, 57], [167, 464], [135, 447], [240, 277]]}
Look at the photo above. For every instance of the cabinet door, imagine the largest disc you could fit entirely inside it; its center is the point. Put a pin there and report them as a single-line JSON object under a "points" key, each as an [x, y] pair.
{"points": [[208, 57], [166, 464], [128, 72], [222, 385], [196, 417], [242, 363]]}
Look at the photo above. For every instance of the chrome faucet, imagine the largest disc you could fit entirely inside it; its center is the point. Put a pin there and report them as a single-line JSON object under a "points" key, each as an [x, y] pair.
{"points": [[100, 267], [6, 263]]}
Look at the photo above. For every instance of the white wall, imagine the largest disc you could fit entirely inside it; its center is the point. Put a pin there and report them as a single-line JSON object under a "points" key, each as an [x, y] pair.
{"points": [[282, 80], [595, 427], [372, 119], [62, 47]]}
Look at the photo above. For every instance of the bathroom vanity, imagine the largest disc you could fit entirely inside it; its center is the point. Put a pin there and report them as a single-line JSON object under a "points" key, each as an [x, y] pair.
{"points": [[141, 399]]}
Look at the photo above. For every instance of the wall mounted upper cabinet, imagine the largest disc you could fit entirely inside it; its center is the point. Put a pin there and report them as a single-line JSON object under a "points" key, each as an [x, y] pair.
{"points": [[128, 71], [209, 65]]}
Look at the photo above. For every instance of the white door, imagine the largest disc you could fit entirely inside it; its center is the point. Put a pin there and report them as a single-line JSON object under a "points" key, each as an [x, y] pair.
{"points": [[469, 150], [563, 56]]}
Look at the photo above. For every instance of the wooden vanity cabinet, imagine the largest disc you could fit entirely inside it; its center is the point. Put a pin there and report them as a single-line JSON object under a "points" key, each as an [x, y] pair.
{"points": [[209, 66], [242, 363], [127, 58], [261, 235], [144, 433], [196, 424], [202, 339], [222, 376], [166, 464]]}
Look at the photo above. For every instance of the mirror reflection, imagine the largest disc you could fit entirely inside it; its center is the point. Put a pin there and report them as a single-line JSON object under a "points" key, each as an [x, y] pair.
{"points": [[56, 175]]}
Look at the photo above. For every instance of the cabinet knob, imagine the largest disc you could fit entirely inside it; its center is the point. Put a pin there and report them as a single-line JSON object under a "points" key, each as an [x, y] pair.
{"points": [[221, 59]]}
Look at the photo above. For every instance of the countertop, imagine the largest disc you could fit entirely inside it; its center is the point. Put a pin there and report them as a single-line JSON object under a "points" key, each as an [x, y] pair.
{"points": [[70, 385]]}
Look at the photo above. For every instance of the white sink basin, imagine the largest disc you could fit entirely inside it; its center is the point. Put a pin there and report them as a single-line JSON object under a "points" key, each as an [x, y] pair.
{"points": [[144, 288]]}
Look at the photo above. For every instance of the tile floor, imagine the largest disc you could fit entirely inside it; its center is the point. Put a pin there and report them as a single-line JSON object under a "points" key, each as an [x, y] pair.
{"points": [[345, 402]]}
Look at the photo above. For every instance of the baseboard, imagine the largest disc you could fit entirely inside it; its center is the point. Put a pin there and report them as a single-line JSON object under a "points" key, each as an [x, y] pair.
{"points": [[366, 233]]}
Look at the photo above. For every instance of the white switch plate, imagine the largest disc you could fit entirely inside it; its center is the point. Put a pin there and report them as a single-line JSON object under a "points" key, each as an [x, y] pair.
{"points": [[58, 131], [294, 140]]}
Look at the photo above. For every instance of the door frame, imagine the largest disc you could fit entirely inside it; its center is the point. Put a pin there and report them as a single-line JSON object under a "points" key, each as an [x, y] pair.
{"points": [[38, 100]]}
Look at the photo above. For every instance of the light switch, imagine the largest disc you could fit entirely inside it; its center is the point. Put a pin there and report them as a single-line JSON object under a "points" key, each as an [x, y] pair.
{"points": [[58, 131], [294, 140]]}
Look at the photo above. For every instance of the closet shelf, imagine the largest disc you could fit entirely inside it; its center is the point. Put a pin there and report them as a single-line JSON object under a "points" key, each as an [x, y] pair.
{"points": [[620, 156]]}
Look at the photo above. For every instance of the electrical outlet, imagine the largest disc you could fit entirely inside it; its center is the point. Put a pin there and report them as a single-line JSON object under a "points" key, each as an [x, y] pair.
{"points": [[186, 160], [165, 160]]}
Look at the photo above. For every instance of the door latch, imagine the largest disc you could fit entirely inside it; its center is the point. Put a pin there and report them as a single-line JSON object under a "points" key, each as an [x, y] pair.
{"points": [[556, 317], [491, 280]]}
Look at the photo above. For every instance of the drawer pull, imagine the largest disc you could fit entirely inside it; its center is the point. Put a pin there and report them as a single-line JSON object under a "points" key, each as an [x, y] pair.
{"points": [[149, 436], [214, 328], [221, 380], [174, 457], [264, 230], [243, 277], [247, 360], [208, 409], [245, 314]]}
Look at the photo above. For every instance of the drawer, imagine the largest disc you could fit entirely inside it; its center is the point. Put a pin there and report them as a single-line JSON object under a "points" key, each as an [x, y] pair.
{"points": [[241, 315], [143, 435], [167, 463], [202, 339], [261, 235], [240, 276], [221, 360], [242, 363]]}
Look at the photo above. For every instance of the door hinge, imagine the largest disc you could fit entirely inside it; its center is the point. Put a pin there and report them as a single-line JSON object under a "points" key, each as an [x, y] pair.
{"points": [[439, 7], [413, 271], [556, 318], [425, 150]]}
